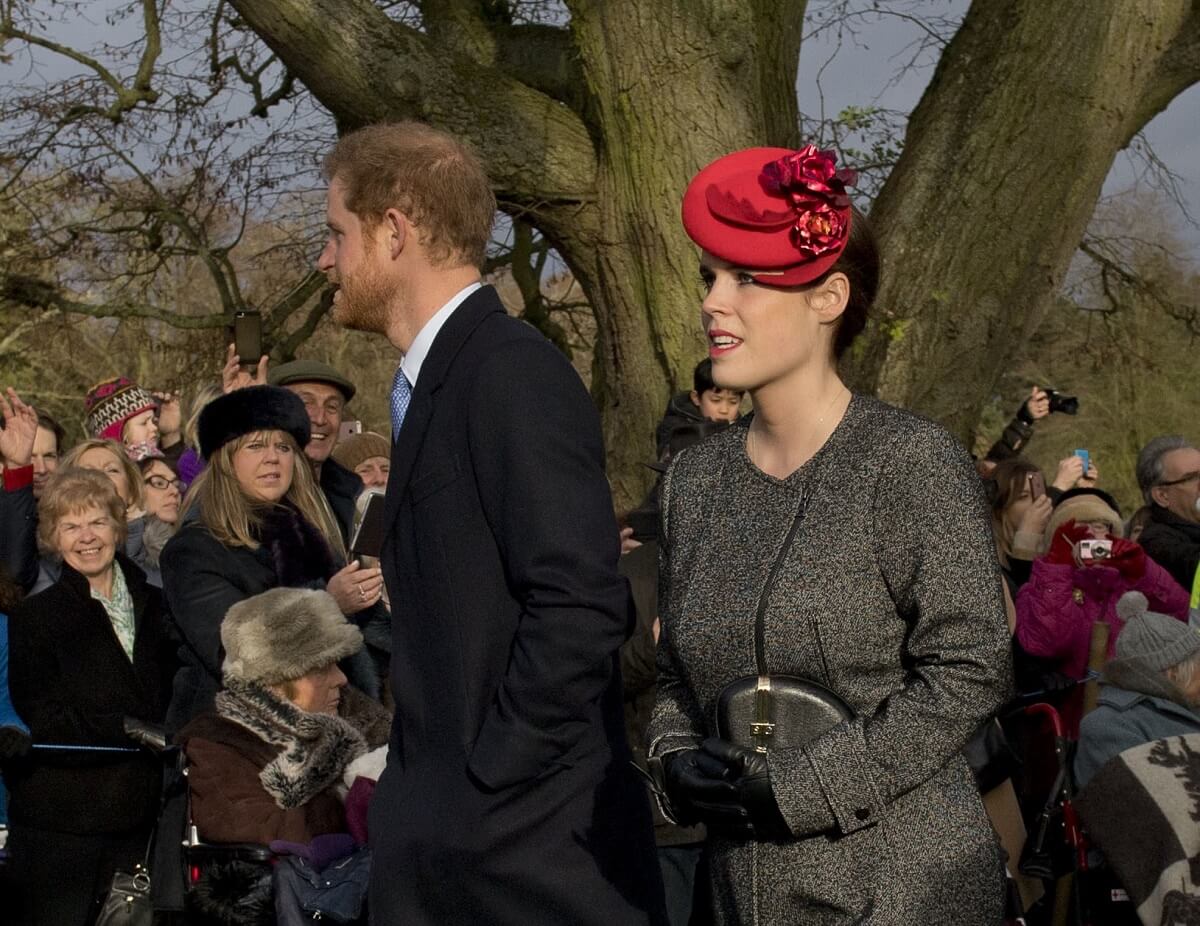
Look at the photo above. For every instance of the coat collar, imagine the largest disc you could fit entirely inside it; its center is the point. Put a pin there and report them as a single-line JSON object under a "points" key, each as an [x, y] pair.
{"points": [[135, 581], [1165, 516], [1122, 699], [454, 334]]}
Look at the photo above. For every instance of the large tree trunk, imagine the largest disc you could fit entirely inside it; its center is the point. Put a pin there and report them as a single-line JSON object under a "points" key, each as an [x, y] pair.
{"points": [[657, 119], [591, 133], [1003, 163]]}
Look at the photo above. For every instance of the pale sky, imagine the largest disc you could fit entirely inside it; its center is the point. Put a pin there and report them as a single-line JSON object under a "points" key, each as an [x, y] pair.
{"points": [[860, 73]]}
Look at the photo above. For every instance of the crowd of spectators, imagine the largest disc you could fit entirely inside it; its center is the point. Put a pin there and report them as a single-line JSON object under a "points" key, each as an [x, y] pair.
{"points": [[192, 572]]}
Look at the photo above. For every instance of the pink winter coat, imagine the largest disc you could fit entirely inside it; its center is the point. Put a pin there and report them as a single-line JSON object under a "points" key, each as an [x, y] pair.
{"points": [[1058, 605]]}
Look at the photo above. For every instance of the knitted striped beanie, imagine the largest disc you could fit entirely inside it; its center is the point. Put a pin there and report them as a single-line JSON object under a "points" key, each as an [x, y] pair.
{"points": [[113, 402]]}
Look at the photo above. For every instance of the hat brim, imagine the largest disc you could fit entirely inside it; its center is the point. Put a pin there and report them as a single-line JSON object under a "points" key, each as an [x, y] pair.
{"points": [[767, 252]]}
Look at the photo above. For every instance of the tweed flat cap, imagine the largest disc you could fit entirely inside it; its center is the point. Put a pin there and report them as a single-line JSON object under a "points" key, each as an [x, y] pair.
{"points": [[310, 371]]}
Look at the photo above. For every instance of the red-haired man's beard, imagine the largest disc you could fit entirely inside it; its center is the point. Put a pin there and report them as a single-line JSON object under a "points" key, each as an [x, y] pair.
{"points": [[363, 299]]}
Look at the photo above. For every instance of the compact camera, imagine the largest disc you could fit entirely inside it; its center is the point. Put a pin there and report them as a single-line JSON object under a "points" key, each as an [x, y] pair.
{"points": [[1095, 550]]}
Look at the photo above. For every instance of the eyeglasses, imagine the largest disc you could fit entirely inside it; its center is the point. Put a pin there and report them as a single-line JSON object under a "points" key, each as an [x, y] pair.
{"points": [[1190, 477], [162, 482]]}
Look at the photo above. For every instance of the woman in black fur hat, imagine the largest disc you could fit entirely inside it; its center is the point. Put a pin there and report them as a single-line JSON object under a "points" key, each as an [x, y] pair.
{"points": [[254, 520]]}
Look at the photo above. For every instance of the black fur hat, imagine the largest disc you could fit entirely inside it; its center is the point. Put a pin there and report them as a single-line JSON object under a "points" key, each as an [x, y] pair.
{"points": [[255, 408]]}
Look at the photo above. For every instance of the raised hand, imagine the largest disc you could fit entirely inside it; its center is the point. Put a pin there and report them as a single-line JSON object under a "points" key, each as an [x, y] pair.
{"points": [[234, 376], [20, 430]]}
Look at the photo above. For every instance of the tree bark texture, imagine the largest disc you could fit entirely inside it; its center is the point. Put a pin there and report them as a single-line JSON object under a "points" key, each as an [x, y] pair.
{"points": [[591, 132], [1002, 165]]}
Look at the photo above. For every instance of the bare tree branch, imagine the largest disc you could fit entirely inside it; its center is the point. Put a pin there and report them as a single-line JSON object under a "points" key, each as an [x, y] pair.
{"points": [[126, 98], [368, 68]]}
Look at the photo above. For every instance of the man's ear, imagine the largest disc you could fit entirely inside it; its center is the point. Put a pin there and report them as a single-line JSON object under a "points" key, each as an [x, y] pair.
{"points": [[830, 297], [1159, 494], [395, 229]]}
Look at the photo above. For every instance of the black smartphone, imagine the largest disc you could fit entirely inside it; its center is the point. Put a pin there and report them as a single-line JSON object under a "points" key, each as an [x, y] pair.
{"points": [[368, 538], [644, 523], [247, 337]]}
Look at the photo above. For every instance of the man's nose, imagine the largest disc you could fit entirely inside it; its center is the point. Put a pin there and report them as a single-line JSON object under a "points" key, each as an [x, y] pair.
{"points": [[325, 258]]}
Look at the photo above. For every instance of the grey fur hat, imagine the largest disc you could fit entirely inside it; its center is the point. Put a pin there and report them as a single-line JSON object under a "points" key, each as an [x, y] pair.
{"points": [[285, 633], [1151, 640]]}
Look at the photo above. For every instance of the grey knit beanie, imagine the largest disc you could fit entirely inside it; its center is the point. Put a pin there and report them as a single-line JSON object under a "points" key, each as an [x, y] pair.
{"points": [[285, 633], [1151, 640]]}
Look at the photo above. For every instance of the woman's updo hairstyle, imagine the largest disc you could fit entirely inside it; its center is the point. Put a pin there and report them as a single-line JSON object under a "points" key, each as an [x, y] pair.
{"points": [[859, 261]]}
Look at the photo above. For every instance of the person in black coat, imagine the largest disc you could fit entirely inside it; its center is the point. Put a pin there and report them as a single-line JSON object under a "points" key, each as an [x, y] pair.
{"points": [[509, 797], [255, 520], [84, 655]]}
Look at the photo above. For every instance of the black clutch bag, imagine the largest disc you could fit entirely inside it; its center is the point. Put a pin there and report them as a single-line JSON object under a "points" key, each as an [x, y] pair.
{"points": [[766, 711], [777, 711]]}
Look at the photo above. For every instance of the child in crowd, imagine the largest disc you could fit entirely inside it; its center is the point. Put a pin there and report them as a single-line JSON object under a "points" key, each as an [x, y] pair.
{"points": [[706, 402]]}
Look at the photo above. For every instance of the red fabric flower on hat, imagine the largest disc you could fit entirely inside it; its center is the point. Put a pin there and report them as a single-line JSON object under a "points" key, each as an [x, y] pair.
{"points": [[817, 190]]}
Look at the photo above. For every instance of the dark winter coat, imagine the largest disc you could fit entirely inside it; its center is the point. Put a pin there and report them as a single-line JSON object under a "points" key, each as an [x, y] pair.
{"points": [[681, 412], [71, 682], [202, 578], [890, 596], [341, 488], [508, 797], [1173, 543]]}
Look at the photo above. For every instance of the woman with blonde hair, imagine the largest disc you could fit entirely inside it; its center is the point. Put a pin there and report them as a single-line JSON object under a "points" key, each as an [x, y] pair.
{"points": [[253, 520]]}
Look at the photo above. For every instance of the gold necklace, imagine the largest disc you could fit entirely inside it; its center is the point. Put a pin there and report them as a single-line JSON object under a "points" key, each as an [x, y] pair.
{"points": [[820, 421]]}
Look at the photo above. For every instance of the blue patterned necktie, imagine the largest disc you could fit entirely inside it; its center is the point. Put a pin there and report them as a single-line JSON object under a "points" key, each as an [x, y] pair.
{"points": [[401, 396]]}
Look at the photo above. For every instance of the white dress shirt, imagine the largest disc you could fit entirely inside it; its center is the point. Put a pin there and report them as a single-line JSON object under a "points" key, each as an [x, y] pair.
{"points": [[411, 364]]}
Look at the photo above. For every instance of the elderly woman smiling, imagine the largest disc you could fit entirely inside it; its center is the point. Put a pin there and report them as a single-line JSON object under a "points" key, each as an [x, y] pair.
{"points": [[86, 653]]}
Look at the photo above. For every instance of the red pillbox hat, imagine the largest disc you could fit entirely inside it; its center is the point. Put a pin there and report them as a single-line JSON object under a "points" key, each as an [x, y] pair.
{"points": [[782, 213]]}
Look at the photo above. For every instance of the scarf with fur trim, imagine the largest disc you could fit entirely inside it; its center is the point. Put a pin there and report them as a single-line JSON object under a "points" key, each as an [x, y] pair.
{"points": [[299, 553], [314, 748]]}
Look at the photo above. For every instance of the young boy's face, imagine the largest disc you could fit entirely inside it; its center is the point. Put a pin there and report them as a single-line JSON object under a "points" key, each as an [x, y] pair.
{"points": [[718, 404]]}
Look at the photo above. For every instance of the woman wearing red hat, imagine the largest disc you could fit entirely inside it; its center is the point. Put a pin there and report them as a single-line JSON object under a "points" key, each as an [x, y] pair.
{"points": [[833, 624]]}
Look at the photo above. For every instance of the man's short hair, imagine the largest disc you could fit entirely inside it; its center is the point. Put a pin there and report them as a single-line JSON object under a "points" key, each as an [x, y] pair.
{"points": [[430, 176], [60, 436], [1150, 462]]}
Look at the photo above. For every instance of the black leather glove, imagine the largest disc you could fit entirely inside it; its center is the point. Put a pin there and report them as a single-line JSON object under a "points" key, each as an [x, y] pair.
{"points": [[697, 789], [749, 775], [14, 743]]}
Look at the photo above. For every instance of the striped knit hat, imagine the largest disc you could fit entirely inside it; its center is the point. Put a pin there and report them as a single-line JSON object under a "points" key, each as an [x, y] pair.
{"points": [[113, 402]]}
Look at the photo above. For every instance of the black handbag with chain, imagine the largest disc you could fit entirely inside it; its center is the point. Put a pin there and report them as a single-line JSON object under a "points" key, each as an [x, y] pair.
{"points": [[766, 711]]}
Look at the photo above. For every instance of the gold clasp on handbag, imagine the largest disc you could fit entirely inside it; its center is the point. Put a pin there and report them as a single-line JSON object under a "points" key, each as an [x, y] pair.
{"points": [[761, 727]]}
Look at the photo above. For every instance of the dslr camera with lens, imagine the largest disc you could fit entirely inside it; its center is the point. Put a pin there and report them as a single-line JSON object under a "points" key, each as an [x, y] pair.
{"points": [[1059, 402]]}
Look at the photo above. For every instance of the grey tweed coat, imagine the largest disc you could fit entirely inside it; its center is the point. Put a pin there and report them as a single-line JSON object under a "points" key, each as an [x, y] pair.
{"points": [[891, 597]]}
